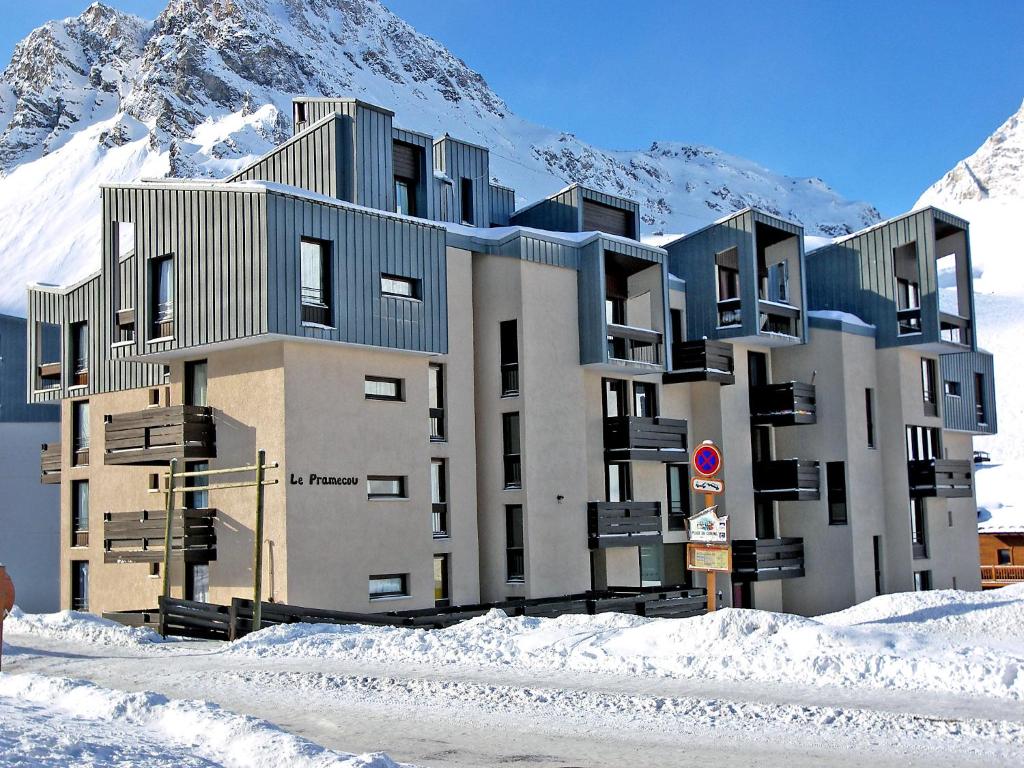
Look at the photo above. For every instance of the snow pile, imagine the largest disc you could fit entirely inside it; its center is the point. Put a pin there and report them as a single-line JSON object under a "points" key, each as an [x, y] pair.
{"points": [[1000, 506], [72, 626], [58, 722], [732, 645]]}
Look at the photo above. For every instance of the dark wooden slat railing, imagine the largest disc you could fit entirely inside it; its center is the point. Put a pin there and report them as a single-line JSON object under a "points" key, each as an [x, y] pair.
{"points": [[49, 463], [652, 439], [943, 478], [787, 480], [138, 537], [634, 345], [783, 404], [767, 559], [157, 435], [623, 523], [702, 360]]}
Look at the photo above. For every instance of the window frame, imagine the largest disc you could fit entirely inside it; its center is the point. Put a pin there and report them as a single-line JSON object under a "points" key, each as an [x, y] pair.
{"points": [[79, 513], [439, 518], [517, 526], [466, 196], [676, 519], [837, 493], [512, 481], [402, 490], [869, 417], [436, 392], [508, 354], [399, 385], [387, 289], [929, 386], [316, 303], [161, 313], [445, 598], [191, 367], [403, 591]]}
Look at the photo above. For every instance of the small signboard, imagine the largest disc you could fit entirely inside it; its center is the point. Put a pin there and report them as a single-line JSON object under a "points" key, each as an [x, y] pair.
{"points": [[708, 527], [707, 484], [707, 459], [708, 557]]}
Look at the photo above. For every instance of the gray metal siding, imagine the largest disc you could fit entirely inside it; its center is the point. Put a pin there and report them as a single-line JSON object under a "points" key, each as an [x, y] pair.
{"points": [[425, 191], [613, 201], [458, 160], [591, 292], [560, 212], [14, 404], [375, 174], [857, 275], [363, 246], [959, 412], [502, 203], [313, 160]]}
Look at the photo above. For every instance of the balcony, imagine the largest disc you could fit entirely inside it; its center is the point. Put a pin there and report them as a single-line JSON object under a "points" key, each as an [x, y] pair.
{"points": [[48, 375], [730, 313], [634, 345], [439, 520], [157, 435], [777, 318], [908, 321], [138, 537], [767, 559], [49, 463], [955, 329], [702, 360], [783, 405], [787, 480], [993, 576], [623, 523], [629, 438], [943, 478]]}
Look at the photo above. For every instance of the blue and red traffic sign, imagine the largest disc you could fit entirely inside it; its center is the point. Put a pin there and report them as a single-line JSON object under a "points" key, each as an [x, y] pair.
{"points": [[707, 460]]}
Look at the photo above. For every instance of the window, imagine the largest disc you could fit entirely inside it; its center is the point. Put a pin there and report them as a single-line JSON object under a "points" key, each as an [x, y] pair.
{"points": [[1003, 557], [917, 528], [876, 549], [404, 197], [389, 585], [615, 310], [509, 340], [79, 354], [435, 397], [869, 415], [195, 382], [439, 497], [385, 487], [124, 238], [760, 443], [651, 565], [198, 499], [510, 449], [197, 582], [618, 483], [645, 399], [922, 443], [678, 484], [399, 287], [922, 581], [80, 513], [677, 324], [315, 276], [615, 398], [728, 285], [80, 433], [951, 388], [79, 585], [979, 398], [48, 355], [300, 112], [162, 292], [383, 388], [929, 394], [778, 282], [515, 561], [835, 478], [442, 596], [466, 189], [764, 519]]}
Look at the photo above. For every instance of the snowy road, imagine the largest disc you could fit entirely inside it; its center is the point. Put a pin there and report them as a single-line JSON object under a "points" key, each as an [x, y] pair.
{"points": [[362, 690]]}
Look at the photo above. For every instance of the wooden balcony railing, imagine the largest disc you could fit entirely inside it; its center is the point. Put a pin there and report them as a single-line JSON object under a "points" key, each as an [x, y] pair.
{"points": [[943, 478], [787, 480], [767, 559], [49, 463], [999, 575], [702, 360], [646, 439], [623, 523], [955, 329], [777, 318], [157, 435], [783, 404], [634, 345], [138, 537]]}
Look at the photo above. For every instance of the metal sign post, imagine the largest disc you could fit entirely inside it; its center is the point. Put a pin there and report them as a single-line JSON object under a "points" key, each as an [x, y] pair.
{"points": [[709, 557], [257, 557]]}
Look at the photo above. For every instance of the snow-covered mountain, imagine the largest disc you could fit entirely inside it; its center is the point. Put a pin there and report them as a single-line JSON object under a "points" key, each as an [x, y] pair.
{"points": [[987, 189], [207, 86]]}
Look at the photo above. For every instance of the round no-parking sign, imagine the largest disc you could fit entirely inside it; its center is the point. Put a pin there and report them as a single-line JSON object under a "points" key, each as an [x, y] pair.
{"points": [[707, 460]]}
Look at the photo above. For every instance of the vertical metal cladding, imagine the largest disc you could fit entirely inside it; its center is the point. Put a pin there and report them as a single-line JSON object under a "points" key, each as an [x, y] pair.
{"points": [[425, 192], [364, 245], [857, 274], [460, 160], [502, 204], [560, 212], [959, 412], [374, 170], [14, 404]]}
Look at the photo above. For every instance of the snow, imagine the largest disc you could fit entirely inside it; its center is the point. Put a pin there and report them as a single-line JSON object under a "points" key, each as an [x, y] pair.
{"points": [[999, 497], [728, 645], [52, 721], [78, 627], [847, 318]]}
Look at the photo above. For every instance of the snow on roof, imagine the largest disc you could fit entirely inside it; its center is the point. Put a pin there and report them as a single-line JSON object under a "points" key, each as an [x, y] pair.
{"points": [[886, 222], [846, 318], [1000, 507], [501, 234]]}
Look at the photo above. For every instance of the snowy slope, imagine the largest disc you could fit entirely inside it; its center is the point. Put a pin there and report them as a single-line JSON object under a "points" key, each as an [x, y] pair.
{"points": [[207, 85], [987, 189]]}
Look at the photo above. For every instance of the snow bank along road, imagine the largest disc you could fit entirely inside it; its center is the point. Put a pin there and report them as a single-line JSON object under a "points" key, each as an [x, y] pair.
{"points": [[933, 678]]}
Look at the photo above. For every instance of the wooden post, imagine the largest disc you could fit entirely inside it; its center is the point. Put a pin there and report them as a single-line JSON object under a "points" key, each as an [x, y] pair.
{"points": [[172, 469], [709, 501], [257, 558]]}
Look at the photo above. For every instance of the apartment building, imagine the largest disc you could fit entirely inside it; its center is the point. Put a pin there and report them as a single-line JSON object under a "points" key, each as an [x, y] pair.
{"points": [[29, 510], [470, 402]]}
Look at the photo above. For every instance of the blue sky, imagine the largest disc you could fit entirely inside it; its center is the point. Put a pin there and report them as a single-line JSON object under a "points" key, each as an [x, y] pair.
{"points": [[877, 98]]}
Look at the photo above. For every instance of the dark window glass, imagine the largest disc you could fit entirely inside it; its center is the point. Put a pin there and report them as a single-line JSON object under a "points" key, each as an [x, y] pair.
{"points": [[197, 582], [200, 498], [79, 585], [80, 432], [923, 443], [979, 398], [618, 482], [929, 393], [162, 282], [442, 597], [389, 585], [80, 513], [435, 402], [315, 277], [651, 565], [510, 445], [515, 564], [80, 353], [952, 388], [918, 532], [922, 580], [869, 415], [399, 287], [835, 474], [1004, 557], [466, 188], [645, 399], [764, 519], [877, 552], [615, 402], [195, 382], [509, 341], [404, 197], [382, 388], [678, 483], [439, 497]]}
